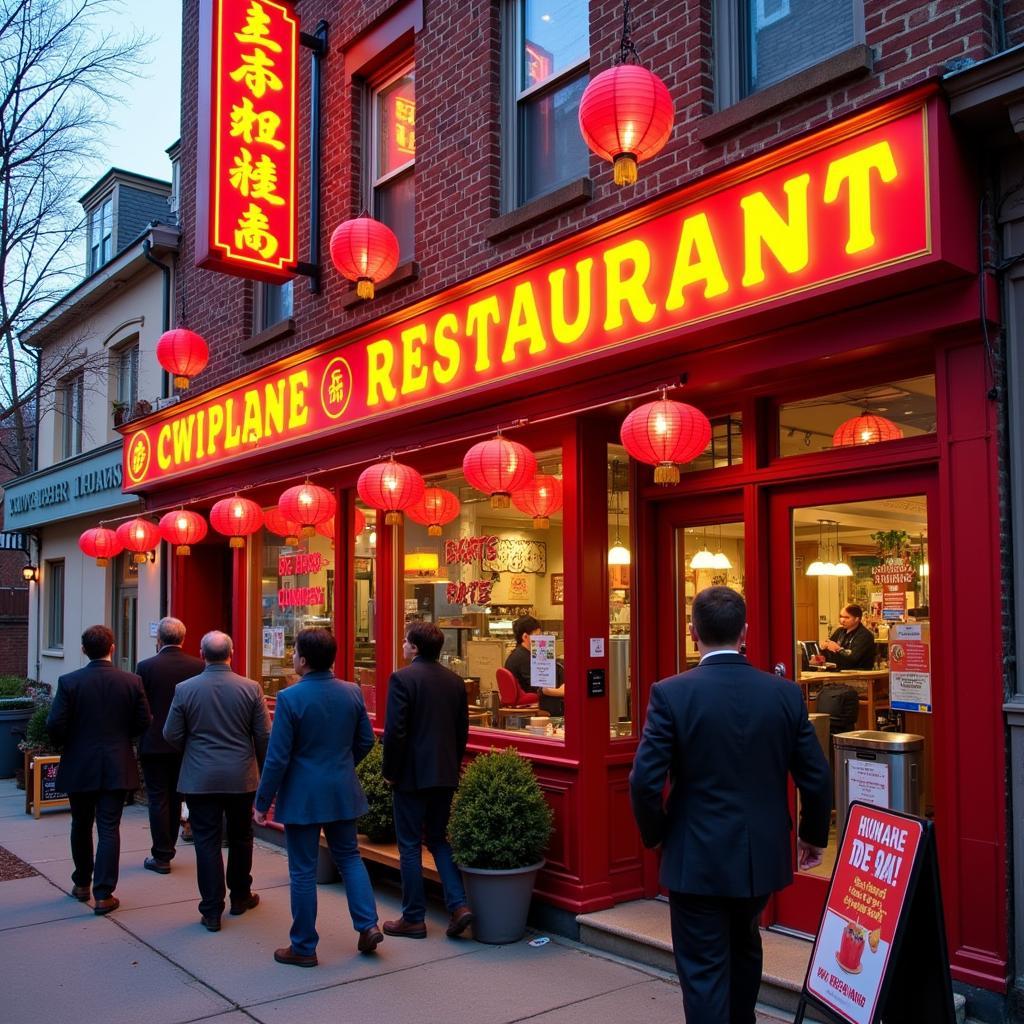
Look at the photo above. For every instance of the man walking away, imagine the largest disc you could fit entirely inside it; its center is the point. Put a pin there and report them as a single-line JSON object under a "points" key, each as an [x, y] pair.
{"points": [[95, 714], [727, 736], [425, 737], [161, 763], [219, 720], [321, 732]]}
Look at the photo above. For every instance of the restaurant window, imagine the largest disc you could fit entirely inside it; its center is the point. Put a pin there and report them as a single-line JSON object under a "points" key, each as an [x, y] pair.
{"points": [[392, 172], [725, 447], [488, 568], [72, 407], [547, 58], [709, 555], [620, 557], [760, 42], [101, 233], [127, 371], [364, 604], [272, 305], [53, 581], [860, 416]]}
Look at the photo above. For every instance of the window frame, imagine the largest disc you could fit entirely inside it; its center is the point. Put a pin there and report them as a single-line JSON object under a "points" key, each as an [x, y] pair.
{"points": [[55, 606], [72, 426], [128, 352], [261, 293], [101, 221]]}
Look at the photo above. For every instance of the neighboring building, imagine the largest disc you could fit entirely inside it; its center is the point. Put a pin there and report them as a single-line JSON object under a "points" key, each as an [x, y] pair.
{"points": [[803, 251]]}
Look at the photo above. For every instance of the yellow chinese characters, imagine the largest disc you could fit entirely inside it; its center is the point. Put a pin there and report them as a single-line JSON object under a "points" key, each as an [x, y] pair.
{"points": [[254, 126], [257, 29], [253, 232], [336, 388], [257, 180]]}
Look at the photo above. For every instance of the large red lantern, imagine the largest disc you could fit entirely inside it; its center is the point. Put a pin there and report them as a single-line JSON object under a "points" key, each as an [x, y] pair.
{"points": [[365, 251], [664, 434], [326, 529], [276, 522], [434, 509], [101, 544], [139, 536], [390, 487], [498, 467], [182, 353], [865, 429], [541, 498], [236, 518], [307, 504], [626, 117], [182, 529]]}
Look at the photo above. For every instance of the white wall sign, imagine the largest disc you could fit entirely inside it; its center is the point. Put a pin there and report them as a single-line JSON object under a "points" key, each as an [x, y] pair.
{"points": [[868, 781]]}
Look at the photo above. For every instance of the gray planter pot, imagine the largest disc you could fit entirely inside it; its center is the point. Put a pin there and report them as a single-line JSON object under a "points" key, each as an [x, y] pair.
{"points": [[500, 901], [12, 730]]}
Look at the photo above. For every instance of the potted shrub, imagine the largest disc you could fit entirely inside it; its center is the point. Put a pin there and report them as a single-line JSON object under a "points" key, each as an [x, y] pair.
{"points": [[37, 740], [499, 829], [378, 823], [120, 411], [16, 706]]}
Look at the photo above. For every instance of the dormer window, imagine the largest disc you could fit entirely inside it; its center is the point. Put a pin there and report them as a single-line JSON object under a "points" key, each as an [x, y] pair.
{"points": [[101, 233]]}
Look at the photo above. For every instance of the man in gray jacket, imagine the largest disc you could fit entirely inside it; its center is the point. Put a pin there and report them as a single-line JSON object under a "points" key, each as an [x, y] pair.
{"points": [[219, 721]]}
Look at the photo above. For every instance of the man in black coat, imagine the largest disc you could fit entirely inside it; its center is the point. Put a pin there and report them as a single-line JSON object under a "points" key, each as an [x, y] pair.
{"points": [[161, 763], [425, 737], [852, 645], [95, 714], [727, 736]]}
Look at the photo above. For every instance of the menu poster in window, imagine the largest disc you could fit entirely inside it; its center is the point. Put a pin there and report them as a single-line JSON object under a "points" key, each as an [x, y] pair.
{"points": [[273, 642], [910, 674], [543, 668]]}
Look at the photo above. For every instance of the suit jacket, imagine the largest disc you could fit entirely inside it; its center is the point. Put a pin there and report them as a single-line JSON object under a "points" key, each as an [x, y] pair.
{"points": [[219, 719], [727, 736], [97, 711], [426, 728], [160, 675], [321, 732], [858, 648]]}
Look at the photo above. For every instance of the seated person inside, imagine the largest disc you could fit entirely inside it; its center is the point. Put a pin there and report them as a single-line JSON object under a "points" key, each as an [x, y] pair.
{"points": [[551, 700], [852, 644]]}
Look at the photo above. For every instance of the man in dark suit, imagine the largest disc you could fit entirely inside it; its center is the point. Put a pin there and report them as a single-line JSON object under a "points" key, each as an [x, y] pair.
{"points": [[727, 736], [425, 737], [161, 763], [95, 714], [219, 719], [321, 732]]}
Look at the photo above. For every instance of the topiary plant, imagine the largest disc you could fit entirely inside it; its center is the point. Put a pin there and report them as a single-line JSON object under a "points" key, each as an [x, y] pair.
{"points": [[13, 686], [37, 739], [500, 819], [378, 823]]}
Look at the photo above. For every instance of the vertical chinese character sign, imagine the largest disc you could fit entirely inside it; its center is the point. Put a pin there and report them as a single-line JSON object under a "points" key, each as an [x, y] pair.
{"points": [[246, 173]]}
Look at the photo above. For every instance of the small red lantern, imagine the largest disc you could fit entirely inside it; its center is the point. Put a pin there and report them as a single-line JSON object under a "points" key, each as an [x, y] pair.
{"points": [[434, 509], [498, 467], [183, 353], [626, 117], [101, 544], [278, 523], [865, 429], [665, 433], [236, 518], [183, 529], [140, 536], [307, 504], [541, 498], [390, 487], [365, 251]]}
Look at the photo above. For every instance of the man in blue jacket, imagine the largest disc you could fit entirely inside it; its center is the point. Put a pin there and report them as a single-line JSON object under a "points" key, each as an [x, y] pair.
{"points": [[320, 733]]}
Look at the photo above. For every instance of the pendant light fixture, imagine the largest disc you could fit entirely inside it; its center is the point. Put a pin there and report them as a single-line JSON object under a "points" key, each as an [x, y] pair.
{"points": [[818, 567], [841, 568], [867, 428], [703, 559], [618, 553], [720, 559]]}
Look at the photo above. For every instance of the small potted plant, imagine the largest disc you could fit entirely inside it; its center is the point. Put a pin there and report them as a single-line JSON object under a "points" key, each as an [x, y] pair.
{"points": [[378, 823], [499, 829], [120, 411], [37, 740], [16, 705]]}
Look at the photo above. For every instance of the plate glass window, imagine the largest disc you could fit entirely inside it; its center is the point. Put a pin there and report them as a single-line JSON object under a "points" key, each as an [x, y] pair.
{"points": [[101, 232], [273, 305], [392, 173], [128, 375], [54, 584], [72, 402]]}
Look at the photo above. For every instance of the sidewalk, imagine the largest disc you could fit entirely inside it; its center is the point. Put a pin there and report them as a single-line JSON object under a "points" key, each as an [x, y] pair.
{"points": [[151, 961]]}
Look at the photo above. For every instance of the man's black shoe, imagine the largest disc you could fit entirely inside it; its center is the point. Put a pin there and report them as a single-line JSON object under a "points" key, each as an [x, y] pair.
{"points": [[211, 924], [161, 867], [239, 907]]}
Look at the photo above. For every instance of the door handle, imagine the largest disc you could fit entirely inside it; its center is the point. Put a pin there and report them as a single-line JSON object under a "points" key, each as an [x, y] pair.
{"points": [[780, 668]]}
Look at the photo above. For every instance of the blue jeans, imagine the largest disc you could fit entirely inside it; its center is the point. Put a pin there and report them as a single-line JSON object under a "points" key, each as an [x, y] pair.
{"points": [[421, 816], [303, 849]]}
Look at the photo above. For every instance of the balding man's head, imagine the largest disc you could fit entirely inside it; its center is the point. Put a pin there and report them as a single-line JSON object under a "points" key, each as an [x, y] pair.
{"points": [[215, 647]]}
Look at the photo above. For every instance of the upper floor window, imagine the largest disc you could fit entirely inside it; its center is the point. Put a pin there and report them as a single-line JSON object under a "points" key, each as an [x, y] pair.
{"points": [[101, 233], [54, 584], [273, 304], [392, 148], [127, 367], [72, 406], [547, 59]]}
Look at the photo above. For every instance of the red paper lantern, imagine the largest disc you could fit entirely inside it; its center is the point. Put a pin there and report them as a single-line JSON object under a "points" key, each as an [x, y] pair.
{"points": [[236, 518], [326, 529], [626, 117], [183, 353], [498, 467], [390, 487], [358, 522], [663, 434], [865, 429], [364, 251], [276, 522], [541, 498], [307, 504], [140, 536], [434, 509], [101, 544], [182, 529]]}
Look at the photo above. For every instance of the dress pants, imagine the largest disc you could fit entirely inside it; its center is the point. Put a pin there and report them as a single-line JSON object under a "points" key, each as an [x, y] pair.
{"points": [[303, 851], [717, 946], [161, 774], [103, 806], [421, 816], [206, 811]]}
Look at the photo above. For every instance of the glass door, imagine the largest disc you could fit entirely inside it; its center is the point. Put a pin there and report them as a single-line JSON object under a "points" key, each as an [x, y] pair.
{"points": [[126, 602]]}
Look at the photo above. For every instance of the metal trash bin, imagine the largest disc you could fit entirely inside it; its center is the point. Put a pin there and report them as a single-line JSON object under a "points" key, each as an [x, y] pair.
{"points": [[819, 721], [880, 768]]}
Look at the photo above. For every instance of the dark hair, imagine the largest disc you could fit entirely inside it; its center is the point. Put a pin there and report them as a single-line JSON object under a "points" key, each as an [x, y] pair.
{"points": [[318, 647], [97, 642], [719, 615], [523, 625], [426, 638], [855, 610]]}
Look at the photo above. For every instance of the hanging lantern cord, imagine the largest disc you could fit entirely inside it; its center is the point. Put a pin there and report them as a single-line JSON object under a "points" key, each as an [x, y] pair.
{"points": [[627, 49]]}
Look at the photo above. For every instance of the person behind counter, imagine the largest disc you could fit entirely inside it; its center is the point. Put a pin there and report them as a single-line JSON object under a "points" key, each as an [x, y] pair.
{"points": [[852, 643], [551, 700]]}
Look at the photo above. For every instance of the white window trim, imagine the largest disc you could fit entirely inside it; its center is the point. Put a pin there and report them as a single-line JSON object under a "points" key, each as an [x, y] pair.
{"points": [[48, 577], [67, 423]]}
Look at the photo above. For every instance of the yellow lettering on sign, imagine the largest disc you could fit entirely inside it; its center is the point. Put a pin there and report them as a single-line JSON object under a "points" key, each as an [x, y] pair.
{"points": [[380, 361], [255, 70], [696, 239], [627, 288], [764, 225], [257, 28], [298, 411], [414, 373], [447, 348], [273, 407], [565, 332], [216, 429], [253, 232], [253, 126], [523, 324], [252, 418], [182, 430], [258, 180], [855, 170], [479, 317], [232, 431], [163, 456]]}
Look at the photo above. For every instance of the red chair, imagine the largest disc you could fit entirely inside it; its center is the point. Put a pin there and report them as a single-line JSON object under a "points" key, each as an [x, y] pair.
{"points": [[511, 693]]}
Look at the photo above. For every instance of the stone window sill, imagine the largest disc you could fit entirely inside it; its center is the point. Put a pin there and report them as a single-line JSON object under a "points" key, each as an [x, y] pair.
{"points": [[282, 329], [52, 653], [404, 274], [576, 193]]}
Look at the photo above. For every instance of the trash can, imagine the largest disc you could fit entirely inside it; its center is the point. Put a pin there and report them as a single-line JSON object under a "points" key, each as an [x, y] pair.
{"points": [[880, 768]]}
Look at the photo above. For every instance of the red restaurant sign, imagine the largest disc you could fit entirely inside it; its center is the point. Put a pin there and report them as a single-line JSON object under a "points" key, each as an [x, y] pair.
{"points": [[847, 203], [246, 181]]}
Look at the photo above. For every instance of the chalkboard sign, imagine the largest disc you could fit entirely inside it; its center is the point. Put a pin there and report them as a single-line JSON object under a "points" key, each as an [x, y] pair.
{"points": [[44, 785]]}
